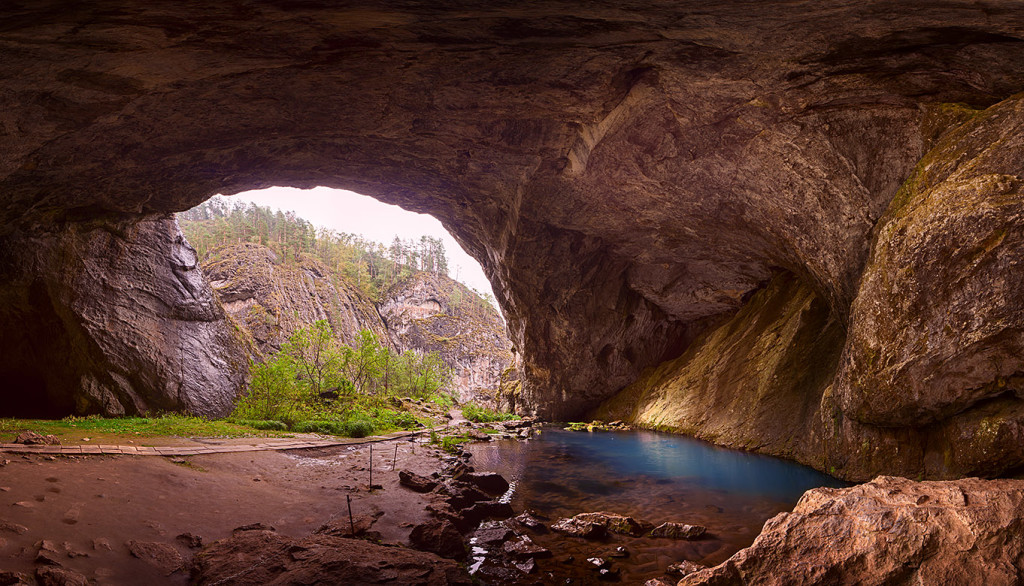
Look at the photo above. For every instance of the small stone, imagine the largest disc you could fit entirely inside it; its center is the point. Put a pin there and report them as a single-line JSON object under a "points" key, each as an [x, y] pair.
{"points": [[161, 556], [684, 568], [530, 522], [524, 547], [598, 563], [526, 566], [190, 541], [24, 504], [620, 552], [101, 544]]}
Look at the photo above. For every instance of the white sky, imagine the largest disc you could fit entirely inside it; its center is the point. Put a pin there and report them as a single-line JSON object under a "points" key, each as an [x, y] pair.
{"points": [[346, 211]]}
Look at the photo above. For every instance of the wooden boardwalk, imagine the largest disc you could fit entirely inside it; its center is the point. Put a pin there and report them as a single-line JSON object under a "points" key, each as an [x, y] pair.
{"points": [[258, 445]]}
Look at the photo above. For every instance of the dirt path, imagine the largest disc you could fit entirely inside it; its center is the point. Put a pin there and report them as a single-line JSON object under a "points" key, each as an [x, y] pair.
{"points": [[90, 509]]}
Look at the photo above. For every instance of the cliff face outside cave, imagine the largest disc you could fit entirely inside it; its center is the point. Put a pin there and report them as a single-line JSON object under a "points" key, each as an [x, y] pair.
{"points": [[638, 180]]}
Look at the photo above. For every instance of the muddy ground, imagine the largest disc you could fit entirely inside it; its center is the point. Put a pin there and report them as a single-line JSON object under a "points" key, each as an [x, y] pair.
{"points": [[92, 511]]}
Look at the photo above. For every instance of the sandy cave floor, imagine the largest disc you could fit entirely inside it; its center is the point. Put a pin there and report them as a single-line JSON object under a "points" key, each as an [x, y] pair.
{"points": [[90, 507]]}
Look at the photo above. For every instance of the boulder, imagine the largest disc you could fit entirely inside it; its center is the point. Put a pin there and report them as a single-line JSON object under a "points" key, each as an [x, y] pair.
{"points": [[31, 438], [887, 531], [678, 531], [614, 523], [489, 482], [161, 556], [579, 528], [416, 482], [440, 537]]}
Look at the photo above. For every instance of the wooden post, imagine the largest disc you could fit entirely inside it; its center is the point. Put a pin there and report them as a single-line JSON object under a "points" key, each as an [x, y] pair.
{"points": [[394, 461], [351, 523], [371, 466]]}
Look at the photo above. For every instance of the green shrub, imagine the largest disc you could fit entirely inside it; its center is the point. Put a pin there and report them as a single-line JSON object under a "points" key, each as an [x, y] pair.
{"points": [[263, 424], [478, 414], [358, 428], [452, 443]]}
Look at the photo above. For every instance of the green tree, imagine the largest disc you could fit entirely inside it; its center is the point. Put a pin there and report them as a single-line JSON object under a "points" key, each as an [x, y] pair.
{"points": [[317, 358], [273, 394]]}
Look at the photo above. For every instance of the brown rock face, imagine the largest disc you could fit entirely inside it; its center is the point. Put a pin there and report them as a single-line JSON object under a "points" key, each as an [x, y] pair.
{"points": [[625, 172], [433, 313], [113, 319], [888, 531], [634, 177], [270, 299]]}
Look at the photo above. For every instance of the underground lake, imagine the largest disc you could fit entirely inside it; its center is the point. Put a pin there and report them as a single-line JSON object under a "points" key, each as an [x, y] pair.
{"points": [[652, 477]]}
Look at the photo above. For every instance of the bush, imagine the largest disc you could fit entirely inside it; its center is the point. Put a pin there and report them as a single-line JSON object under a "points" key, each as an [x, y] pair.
{"points": [[478, 414], [453, 443], [358, 428], [263, 424]]}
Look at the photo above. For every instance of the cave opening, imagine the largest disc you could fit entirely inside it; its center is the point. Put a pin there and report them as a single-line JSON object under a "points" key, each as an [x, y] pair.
{"points": [[417, 238]]}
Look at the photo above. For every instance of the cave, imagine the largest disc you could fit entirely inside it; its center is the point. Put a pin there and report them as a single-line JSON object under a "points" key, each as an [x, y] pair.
{"points": [[648, 186]]}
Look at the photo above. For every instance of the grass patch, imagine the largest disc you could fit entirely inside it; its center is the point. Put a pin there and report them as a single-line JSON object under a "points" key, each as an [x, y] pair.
{"points": [[164, 425], [478, 414], [453, 443]]}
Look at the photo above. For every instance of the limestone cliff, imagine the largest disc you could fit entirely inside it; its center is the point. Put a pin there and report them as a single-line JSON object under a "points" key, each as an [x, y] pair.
{"points": [[433, 313], [270, 299], [114, 319], [629, 174], [928, 380]]}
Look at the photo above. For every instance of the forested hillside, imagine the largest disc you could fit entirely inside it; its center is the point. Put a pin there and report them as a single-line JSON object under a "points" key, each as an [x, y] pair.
{"points": [[275, 274], [370, 266]]}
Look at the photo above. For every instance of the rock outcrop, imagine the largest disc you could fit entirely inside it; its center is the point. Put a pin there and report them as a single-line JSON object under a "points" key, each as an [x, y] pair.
{"points": [[270, 299], [114, 319], [927, 382], [630, 176], [433, 313], [889, 531]]}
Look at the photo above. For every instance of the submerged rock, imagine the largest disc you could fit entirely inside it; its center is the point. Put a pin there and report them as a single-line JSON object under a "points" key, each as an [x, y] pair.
{"points": [[684, 568], [489, 482], [612, 522], [678, 531], [888, 531], [579, 528], [440, 537]]}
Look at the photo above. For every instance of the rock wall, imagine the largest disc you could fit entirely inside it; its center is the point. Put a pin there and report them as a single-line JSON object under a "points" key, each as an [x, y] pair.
{"points": [[629, 175], [433, 313], [927, 383], [114, 319], [270, 299], [888, 531]]}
